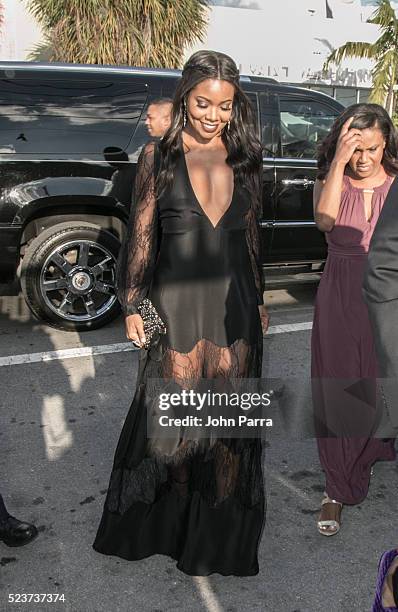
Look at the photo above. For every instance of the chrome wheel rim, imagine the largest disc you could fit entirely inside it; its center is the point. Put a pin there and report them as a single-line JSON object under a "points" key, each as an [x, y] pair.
{"points": [[77, 281]]}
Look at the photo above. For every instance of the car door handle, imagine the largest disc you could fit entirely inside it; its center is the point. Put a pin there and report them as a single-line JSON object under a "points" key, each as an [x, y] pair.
{"points": [[304, 182]]}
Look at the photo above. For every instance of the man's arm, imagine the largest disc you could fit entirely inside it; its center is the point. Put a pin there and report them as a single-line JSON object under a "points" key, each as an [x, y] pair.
{"points": [[381, 276], [380, 291]]}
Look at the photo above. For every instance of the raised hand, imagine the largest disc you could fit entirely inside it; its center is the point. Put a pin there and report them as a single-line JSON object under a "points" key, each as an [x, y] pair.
{"points": [[348, 141]]}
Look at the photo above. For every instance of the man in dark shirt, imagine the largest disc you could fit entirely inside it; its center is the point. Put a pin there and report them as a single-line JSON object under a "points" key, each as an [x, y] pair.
{"points": [[380, 290], [12, 531]]}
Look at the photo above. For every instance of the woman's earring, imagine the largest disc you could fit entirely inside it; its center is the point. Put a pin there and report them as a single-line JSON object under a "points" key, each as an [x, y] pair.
{"points": [[185, 117], [228, 125]]}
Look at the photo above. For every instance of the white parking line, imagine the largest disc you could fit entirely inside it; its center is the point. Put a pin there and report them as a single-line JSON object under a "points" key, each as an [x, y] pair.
{"points": [[83, 351], [286, 483], [102, 349], [289, 327], [207, 594]]}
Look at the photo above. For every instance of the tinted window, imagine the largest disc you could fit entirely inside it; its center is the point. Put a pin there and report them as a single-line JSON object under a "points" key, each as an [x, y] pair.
{"points": [[254, 103], [67, 117], [141, 135], [269, 123], [304, 124]]}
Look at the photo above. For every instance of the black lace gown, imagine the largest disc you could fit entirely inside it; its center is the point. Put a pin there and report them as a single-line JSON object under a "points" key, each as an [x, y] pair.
{"points": [[203, 505]]}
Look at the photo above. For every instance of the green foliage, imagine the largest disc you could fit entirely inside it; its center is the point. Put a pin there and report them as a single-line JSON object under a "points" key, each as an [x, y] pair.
{"points": [[384, 52], [125, 32]]}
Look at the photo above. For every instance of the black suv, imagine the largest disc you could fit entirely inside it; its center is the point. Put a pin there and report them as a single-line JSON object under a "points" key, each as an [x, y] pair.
{"points": [[70, 136]]}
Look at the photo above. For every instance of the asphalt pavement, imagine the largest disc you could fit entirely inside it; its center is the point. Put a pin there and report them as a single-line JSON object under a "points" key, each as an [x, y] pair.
{"points": [[59, 424]]}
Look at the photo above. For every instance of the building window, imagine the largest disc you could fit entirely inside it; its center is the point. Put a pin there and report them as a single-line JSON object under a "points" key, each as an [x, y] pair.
{"points": [[324, 89], [346, 96], [363, 95]]}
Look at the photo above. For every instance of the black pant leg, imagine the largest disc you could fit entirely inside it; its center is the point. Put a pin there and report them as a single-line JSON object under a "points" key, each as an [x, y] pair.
{"points": [[384, 319], [3, 510]]}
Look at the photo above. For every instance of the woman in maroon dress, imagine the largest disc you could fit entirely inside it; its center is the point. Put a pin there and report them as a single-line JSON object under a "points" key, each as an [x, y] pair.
{"points": [[357, 163]]}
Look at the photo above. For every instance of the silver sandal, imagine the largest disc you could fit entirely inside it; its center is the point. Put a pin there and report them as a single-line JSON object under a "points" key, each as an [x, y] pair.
{"points": [[331, 526]]}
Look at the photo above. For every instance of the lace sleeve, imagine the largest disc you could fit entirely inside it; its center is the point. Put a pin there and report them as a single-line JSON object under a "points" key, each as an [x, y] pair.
{"points": [[253, 239], [139, 250]]}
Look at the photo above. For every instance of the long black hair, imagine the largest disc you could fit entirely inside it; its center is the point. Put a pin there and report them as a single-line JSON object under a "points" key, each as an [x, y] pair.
{"points": [[244, 150], [365, 116]]}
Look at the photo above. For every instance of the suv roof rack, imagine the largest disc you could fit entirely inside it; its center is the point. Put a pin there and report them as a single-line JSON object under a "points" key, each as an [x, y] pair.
{"points": [[258, 79], [12, 65]]}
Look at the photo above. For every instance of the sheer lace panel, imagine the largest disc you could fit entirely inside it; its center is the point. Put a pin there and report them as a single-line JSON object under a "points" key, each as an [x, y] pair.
{"points": [[139, 250], [229, 468], [207, 360], [216, 469], [253, 238]]}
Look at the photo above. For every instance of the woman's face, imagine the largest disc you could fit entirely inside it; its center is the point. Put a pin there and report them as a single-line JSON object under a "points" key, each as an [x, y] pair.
{"points": [[367, 157], [209, 107]]}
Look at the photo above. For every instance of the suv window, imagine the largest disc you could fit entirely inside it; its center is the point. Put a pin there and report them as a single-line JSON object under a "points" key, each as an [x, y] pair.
{"points": [[304, 124], [254, 104], [84, 116]]}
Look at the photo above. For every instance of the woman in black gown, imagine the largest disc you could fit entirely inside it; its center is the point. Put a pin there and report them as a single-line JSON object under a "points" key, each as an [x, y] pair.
{"points": [[193, 248]]}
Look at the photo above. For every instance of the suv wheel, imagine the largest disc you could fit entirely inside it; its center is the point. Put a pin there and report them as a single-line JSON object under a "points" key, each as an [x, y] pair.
{"points": [[68, 276]]}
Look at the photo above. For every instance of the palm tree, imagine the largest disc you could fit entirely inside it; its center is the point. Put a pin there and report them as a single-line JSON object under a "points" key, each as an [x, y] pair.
{"points": [[384, 52], [133, 32]]}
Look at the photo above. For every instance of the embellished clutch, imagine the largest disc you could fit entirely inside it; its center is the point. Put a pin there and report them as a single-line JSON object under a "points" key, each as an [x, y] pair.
{"points": [[153, 324]]}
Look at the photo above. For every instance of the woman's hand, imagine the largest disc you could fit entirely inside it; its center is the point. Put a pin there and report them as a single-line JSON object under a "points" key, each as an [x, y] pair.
{"points": [[347, 142], [135, 329], [264, 316]]}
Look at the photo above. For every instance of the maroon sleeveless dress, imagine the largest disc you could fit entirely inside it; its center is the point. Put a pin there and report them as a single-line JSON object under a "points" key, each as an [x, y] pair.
{"points": [[343, 352]]}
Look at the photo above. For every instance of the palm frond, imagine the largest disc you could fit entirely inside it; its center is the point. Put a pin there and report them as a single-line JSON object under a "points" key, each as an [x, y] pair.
{"points": [[384, 76], [384, 51], [139, 32], [351, 49], [41, 52], [384, 15], [383, 43]]}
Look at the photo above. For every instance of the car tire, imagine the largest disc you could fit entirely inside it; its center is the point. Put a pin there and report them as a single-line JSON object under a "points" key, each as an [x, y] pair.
{"points": [[68, 276]]}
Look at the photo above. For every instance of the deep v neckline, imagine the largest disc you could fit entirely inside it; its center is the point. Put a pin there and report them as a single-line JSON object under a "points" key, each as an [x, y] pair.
{"points": [[196, 199], [362, 190]]}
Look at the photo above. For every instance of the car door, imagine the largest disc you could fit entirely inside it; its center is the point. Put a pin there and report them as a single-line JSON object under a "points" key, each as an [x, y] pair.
{"points": [[260, 101], [269, 120], [303, 124]]}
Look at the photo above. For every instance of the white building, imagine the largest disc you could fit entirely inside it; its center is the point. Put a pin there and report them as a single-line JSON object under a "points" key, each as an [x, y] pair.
{"points": [[19, 32], [285, 39], [290, 40]]}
